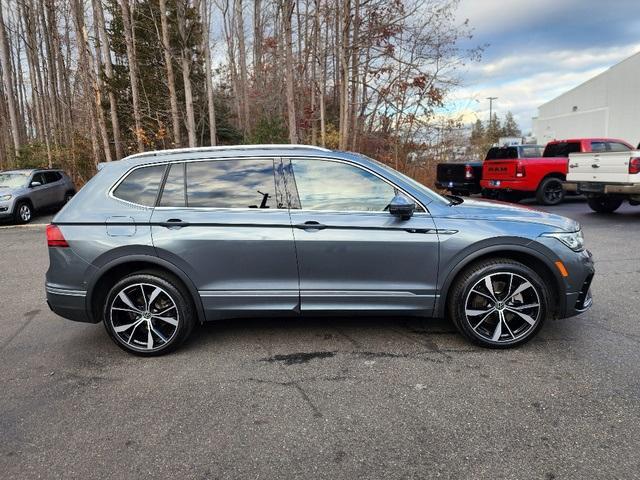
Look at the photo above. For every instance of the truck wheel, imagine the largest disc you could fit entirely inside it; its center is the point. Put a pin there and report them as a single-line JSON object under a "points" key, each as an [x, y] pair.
{"points": [[604, 204], [550, 191]]}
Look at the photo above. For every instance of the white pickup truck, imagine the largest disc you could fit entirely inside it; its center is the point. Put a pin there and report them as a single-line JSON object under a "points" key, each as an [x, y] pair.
{"points": [[607, 179]]}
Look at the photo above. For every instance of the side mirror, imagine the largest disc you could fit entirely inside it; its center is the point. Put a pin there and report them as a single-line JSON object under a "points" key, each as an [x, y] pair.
{"points": [[402, 207], [35, 184]]}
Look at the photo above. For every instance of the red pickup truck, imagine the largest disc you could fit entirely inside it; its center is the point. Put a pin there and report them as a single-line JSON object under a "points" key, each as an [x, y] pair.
{"points": [[542, 177]]}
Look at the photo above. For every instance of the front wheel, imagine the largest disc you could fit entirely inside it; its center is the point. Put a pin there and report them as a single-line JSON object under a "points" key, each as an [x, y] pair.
{"points": [[148, 313], [23, 213], [499, 303], [550, 191], [604, 204]]}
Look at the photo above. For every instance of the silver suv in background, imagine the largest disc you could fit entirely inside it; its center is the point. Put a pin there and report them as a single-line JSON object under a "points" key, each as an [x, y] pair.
{"points": [[23, 192], [160, 241]]}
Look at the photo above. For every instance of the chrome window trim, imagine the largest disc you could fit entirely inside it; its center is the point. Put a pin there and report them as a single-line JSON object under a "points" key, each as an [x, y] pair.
{"points": [[246, 209]]}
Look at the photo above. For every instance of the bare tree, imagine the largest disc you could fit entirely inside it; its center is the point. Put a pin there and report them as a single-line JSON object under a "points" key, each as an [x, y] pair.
{"points": [[8, 84], [171, 82], [127, 20], [211, 109], [185, 62]]}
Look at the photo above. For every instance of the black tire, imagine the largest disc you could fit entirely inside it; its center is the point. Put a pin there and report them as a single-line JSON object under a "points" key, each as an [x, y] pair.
{"points": [[23, 213], [461, 294], [185, 316], [604, 203], [550, 191]]}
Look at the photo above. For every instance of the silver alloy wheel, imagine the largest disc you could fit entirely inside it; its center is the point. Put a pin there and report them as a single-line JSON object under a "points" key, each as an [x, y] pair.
{"points": [[25, 212], [503, 307], [144, 316]]}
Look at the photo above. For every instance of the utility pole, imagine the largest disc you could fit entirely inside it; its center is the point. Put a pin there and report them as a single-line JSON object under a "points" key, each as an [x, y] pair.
{"points": [[491, 99]]}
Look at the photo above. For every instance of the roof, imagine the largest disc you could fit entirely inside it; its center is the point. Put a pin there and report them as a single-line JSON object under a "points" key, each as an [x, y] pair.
{"points": [[275, 150], [29, 171]]}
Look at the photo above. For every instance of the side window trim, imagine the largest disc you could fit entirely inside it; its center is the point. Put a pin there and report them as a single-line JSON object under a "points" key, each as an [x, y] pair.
{"points": [[420, 208], [277, 177]]}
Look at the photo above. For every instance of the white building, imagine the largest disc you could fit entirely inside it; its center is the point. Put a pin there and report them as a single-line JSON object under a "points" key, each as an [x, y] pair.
{"points": [[605, 106]]}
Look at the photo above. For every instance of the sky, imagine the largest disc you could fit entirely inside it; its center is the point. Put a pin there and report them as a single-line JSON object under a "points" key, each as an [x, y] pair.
{"points": [[538, 49]]}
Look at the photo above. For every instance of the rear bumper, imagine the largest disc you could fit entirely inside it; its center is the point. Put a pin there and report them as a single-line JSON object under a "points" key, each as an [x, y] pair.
{"points": [[507, 185], [69, 304], [602, 188], [472, 187]]}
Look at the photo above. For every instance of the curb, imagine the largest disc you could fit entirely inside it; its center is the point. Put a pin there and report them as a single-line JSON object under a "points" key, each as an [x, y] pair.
{"points": [[28, 225]]}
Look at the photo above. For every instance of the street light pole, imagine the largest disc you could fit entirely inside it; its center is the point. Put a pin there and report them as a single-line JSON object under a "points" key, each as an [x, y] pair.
{"points": [[491, 99]]}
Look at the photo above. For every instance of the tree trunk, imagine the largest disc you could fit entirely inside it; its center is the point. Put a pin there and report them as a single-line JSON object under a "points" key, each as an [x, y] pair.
{"points": [[168, 61], [242, 63], [103, 38], [287, 12], [185, 61], [98, 86], [206, 15], [127, 20], [7, 81], [84, 68]]}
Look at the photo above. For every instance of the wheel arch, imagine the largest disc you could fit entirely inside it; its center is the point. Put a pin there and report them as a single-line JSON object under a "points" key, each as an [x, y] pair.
{"points": [[528, 256], [111, 272]]}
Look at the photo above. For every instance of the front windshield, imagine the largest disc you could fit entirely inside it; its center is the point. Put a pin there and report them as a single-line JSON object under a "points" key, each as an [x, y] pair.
{"points": [[417, 185], [13, 180]]}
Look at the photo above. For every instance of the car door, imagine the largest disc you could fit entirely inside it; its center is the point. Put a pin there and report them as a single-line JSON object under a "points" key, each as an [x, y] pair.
{"points": [[38, 194], [225, 224], [352, 254], [55, 188]]}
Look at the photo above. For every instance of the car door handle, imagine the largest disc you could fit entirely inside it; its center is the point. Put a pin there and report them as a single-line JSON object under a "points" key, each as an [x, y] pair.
{"points": [[174, 223], [310, 225]]}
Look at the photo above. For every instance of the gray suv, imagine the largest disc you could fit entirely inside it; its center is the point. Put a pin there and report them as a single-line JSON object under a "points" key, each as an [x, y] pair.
{"points": [[22, 192], [160, 241]]}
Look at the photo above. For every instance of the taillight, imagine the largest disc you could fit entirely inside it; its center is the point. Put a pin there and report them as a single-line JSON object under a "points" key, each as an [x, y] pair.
{"points": [[55, 237], [520, 171], [468, 172], [634, 166]]}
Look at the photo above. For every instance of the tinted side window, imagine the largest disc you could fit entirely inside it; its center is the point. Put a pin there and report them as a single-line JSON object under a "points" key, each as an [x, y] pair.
{"points": [[173, 194], [561, 149], [39, 177], [326, 185], [141, 186], [598, 147], [618, 147], [231, 184], [51, 177]]}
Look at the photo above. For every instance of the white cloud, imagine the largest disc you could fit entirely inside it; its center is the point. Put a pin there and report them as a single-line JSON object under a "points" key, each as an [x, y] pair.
{"points": [[525, 81]]}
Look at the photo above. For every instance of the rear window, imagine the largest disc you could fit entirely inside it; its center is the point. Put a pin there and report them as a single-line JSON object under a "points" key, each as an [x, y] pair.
{"points": [[502, 153], [141, 186], [533, 151], [618, 147], [561, 149]]}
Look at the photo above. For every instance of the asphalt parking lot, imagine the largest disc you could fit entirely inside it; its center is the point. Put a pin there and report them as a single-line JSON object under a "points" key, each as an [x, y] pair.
{"points": [[325, 398]]}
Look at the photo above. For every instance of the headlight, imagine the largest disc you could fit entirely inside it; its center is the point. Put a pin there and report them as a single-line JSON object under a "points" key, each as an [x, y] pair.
{"points": [[5, 197], [573, 240]]}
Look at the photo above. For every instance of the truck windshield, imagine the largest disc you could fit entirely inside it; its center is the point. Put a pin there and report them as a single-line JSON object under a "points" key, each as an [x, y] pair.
{"points": [[13, 180], [561, 149], [502, 153]]}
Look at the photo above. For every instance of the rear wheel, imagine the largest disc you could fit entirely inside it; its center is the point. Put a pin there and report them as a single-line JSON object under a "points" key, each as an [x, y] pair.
{"points": [[23, 212], [499, 303], [550, 191], [148, 313], [604, 204]]}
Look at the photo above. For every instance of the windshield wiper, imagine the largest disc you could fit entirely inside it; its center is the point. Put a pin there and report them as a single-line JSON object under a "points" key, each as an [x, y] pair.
{"points": [[455, 200]]}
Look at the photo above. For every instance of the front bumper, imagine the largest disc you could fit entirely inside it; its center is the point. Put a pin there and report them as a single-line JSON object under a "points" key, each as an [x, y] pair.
{"points": [[69, 304], [602, 188], [6, 209], [578, 297]]}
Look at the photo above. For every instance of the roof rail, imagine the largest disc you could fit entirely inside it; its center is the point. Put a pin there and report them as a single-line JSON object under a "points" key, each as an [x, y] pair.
{"points": [[269, 146]]}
